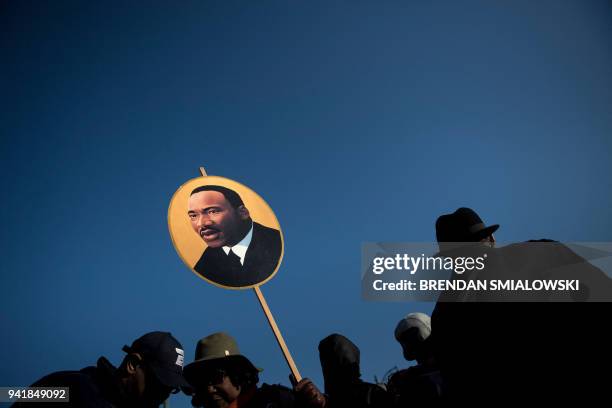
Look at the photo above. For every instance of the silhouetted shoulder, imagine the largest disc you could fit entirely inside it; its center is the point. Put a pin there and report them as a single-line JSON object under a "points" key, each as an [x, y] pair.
{"points": [[84, 391]]}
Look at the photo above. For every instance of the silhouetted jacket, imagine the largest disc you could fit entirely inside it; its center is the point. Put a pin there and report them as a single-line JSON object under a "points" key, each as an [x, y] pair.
{"points": [[418, 385], [266, 396], [521, 351], [91, 387]]}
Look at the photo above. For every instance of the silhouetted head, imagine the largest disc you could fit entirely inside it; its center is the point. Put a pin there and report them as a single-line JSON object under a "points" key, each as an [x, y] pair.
{"points": [[412, 333], [220, 375], [152, 369], [339, 362]]}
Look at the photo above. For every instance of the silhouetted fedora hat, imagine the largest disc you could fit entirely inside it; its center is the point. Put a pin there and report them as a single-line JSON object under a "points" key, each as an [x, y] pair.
{"points": [[219, 350], [464, 225]]}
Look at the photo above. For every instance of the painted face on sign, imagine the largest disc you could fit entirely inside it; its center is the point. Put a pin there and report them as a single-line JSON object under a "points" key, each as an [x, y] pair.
{"points": [[216, 221]]}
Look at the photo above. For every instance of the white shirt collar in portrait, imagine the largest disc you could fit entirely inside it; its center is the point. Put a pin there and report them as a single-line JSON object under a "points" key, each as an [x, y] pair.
{"points": [[241, 247]]}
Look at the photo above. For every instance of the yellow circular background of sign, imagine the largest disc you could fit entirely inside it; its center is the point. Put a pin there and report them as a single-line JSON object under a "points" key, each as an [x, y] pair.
{"points": [[188, 243]]}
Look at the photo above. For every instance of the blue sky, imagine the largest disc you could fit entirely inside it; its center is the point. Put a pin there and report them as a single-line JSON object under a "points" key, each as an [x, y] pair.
{"points": [[356, 121]]}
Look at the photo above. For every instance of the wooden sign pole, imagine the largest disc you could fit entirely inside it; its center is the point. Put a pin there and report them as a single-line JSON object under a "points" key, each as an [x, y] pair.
{"points": [[277, 334], [273, 325]]}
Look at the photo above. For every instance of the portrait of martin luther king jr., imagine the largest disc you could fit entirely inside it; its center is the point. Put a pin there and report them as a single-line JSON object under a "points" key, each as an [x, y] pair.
{"points": [[240, 252]]}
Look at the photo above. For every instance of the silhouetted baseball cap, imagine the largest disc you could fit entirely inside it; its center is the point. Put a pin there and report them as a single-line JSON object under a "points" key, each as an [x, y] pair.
{"points": [[164, 355]]}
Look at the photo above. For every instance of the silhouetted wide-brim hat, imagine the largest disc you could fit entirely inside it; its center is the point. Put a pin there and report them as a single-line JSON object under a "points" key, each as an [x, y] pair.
{"points": [[464, 225], [217, 351]]}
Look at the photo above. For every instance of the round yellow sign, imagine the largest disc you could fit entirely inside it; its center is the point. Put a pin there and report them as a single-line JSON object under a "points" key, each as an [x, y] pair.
{"points": [[225, 232]]}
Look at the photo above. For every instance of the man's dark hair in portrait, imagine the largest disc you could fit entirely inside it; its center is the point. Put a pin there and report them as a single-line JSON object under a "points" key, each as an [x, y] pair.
{"points": [[240, 252], [151, 370]]}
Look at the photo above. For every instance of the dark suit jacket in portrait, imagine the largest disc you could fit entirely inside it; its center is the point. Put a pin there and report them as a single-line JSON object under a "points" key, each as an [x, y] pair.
{"points": [[260, 260]]}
